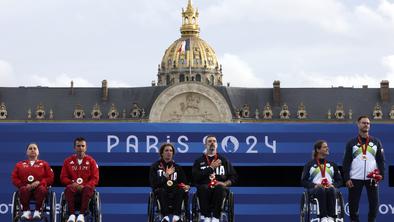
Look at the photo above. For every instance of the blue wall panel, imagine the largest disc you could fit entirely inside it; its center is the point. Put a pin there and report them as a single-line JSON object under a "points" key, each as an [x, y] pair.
{"points": [[135, 144]]}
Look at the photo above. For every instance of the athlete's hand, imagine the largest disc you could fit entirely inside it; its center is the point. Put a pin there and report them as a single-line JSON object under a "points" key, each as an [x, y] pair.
{"points": [[349, 184], [219, 183], [186, 187], [215, 164], [170, 170], [319, 186], [35, 184]]}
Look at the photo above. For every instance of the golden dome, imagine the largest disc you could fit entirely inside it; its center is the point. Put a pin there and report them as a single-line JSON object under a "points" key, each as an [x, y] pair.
{"points": [[196, 53], [189, 58]]}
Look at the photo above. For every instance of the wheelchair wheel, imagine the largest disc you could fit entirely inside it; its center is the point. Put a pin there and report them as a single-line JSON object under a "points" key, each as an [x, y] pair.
{"points": [[340, 211], [230, 206], [151, 207], [196, 214], [97, 208], [304, 207], [16, 207], [52, 206], [185, 215], [63, 209]]}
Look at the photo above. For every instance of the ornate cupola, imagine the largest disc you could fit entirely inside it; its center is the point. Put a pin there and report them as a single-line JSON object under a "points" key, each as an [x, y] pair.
{"points": [[190, 27], [189, 58]]}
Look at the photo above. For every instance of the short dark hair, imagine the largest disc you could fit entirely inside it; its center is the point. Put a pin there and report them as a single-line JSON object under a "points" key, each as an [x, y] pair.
{"points": [[208, 136], [362, 117], [161, 150], [78, 139], [317, 146], [31, 143]]}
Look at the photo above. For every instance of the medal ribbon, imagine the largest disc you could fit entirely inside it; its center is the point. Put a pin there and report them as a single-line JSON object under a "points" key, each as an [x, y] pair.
{"points": [[363, 146], [322, 169]]}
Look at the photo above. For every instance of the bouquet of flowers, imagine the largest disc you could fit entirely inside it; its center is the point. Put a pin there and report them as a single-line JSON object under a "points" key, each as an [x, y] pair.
{"points": [[375, 176]]}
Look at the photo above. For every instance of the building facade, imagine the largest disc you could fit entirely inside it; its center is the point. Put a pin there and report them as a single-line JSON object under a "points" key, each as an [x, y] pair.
{"points": [[189, 88]]}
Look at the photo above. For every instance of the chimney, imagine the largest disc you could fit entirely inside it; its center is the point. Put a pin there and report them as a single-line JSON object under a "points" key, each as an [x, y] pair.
{"points": [[104, 90], [384, 91], [72, 88], [276, 92]]}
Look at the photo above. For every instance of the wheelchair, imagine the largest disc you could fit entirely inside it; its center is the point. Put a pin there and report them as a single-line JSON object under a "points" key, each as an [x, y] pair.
{"points": [[227, 214], [93, 213], [309, 208], [154, 208], [48, 213]]}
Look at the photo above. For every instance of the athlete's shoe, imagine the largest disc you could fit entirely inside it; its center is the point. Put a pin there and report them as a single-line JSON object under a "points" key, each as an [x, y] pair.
{"points": [[71, 218], [81, 218], [26, 215], [36, 215]]}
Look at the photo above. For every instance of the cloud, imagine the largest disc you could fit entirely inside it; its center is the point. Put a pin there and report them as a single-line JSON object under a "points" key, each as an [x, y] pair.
{"points": [[387, 9], [388, 62], [238, 72], [6, 74], [62, 80], [329, 15]]}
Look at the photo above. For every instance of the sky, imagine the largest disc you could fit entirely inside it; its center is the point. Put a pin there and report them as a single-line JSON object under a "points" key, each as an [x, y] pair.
{"points": [[302, 43]]}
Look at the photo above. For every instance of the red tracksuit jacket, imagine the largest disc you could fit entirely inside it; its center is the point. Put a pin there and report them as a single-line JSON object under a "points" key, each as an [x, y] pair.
{"points": [[41, 171], [88, 171]]}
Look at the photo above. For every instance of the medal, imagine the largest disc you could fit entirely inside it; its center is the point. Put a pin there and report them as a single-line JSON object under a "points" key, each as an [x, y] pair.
{"points": [[324, 180], [30, 178], [364, 147], [79, 181], [170, 183]]}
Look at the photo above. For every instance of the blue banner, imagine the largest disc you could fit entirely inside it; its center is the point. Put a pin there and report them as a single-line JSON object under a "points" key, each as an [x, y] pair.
{"points": [[136, 144]]}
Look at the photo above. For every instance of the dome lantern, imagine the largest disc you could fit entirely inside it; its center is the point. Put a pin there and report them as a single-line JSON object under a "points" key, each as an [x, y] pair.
{"points": [[190, 25]]}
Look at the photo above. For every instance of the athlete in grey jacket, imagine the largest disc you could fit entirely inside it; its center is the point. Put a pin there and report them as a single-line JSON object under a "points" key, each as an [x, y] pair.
{"points": [[363, 155]]}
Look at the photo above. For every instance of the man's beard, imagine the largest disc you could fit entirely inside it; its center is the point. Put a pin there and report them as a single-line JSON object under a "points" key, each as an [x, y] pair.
{"points": [[211, 148]]}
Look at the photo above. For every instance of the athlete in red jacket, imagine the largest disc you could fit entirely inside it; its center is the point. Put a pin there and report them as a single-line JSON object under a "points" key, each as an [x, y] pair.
{"points": [[32, 177], [80, 175]]}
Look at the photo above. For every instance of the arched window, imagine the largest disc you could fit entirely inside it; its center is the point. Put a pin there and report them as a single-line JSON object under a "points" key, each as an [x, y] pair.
{"points": [[198, 78], [212, 78], [181, 78]]}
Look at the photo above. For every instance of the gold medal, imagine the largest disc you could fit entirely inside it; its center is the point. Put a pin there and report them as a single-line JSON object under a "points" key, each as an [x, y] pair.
{"points": [[170, 183], [79, 181], [30, 179]]}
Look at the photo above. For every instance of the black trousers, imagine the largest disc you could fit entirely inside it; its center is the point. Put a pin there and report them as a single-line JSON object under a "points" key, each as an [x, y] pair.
{"points": [[326, 198], [354, 199], [170, 200], [211, 199]]}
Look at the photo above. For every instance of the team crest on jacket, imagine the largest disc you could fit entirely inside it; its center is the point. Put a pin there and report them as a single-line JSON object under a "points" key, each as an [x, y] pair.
{"points": [[71, 162]]}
